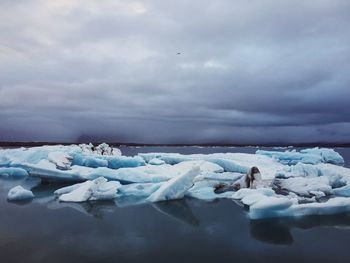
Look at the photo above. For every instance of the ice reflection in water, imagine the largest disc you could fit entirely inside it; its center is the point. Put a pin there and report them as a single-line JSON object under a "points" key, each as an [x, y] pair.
{"points": [[272, 231]]}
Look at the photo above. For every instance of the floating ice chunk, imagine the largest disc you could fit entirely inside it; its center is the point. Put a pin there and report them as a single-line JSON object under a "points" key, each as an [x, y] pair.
{"points": [[62, 160], [156, 161], [116, 151], [309, 156], [328, 155], [18, 193], [104, 190], [102, 149], [86, 148], [67, 189], [79, 194], [176, 187], [282, 208], [305, 186], [83, 155], [13, 172], [98, 189], [292, 157], [144, 174], [269, 206], [33, 155], [48, 171]]}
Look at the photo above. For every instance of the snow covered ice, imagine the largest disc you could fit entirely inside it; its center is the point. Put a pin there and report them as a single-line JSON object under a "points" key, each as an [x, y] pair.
{"points": [[98, 189], [18, 193], [290, 183]]}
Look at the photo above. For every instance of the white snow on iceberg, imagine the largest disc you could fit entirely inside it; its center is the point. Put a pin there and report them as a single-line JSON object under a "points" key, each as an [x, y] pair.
{"points": [[98, 189], [176, 187]]}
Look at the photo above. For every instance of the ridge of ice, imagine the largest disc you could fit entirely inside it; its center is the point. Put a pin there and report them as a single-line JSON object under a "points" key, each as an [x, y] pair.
{"points": [[176, 187]]}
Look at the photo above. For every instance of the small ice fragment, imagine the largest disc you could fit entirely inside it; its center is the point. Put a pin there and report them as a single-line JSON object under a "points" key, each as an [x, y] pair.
{"points": [[18, 193], [98, 189]]}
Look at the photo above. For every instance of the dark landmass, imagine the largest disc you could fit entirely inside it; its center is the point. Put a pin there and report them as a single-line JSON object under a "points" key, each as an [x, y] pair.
{"points": [[320, 144]]}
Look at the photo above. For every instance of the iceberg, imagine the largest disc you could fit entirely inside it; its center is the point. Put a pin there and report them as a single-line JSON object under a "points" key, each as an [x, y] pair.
{"points": [[284, 207], [307, 156], [18, 193], [328, 155], [229, 162], [293, 183], [98, 189], [176, 187]]}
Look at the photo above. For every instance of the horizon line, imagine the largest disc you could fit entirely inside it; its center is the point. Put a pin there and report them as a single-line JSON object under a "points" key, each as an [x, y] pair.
{"points": [[138, 144]]}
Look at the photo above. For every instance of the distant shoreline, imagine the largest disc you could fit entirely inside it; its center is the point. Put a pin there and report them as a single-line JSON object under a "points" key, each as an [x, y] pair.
{"points": [[32, 144]]}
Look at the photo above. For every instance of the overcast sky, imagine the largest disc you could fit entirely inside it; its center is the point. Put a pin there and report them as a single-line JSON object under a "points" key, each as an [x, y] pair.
{"points": [[252, 71]]}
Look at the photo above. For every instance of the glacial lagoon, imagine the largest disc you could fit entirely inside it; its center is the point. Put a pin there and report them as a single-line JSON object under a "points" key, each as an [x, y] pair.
{"points": [[185, 230]]}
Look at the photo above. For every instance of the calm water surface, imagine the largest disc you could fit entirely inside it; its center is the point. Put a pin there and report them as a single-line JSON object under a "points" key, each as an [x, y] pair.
{"points": [[177, 231]]}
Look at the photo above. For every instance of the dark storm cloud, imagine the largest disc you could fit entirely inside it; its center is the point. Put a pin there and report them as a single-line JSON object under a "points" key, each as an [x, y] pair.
{"points": [[248, 72]]}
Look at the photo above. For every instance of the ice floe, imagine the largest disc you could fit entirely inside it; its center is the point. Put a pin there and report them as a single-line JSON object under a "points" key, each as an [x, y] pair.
{"points": [[98, 189], [18, 193], [270, 183], [176, 187], [310, 156]]}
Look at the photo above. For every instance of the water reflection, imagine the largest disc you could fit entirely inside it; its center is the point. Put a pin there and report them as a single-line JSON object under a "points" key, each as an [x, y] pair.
{"points": [[179, 210], [278, 230], [270, 231], [95, 209]]}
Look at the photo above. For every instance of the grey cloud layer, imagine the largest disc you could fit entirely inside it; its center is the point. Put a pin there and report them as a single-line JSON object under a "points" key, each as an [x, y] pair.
{"points": [[249, 71]]}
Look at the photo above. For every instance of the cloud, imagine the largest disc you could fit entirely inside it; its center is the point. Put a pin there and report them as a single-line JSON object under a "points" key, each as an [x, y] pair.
{"points": [[248, 72]]}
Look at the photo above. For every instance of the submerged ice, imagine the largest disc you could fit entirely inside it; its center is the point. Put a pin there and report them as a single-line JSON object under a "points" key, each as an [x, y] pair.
{"points": [[285, 183]]}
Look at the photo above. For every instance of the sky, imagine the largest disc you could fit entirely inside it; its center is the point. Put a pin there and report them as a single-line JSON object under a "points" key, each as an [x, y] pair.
{"points": [[199, 71]]}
